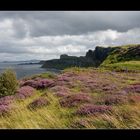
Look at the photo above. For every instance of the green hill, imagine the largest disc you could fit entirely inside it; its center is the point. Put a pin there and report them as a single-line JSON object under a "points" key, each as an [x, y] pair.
{"points": [[123, 58], [77, 98]]}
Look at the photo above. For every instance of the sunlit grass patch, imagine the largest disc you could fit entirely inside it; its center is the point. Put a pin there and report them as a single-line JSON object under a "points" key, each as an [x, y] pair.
{"points": [[123, 66]]}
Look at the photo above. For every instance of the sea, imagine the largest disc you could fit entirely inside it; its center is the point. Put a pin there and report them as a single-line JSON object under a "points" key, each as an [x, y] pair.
{"points": [[23, 70]]}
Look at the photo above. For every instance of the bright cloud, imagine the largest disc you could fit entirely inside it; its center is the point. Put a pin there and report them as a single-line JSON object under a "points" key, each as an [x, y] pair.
{"points": [[45, 37]]}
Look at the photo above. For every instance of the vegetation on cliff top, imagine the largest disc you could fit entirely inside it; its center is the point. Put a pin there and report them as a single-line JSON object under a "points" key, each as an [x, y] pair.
{"points": [[123, 58]]}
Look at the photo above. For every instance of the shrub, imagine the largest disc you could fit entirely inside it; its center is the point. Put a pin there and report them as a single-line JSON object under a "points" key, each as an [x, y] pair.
{"points": [[115, 99], [25, 92], [5, 104], [74, 100], [44, 83], [93, 109], [38, 103], [31, 83], [60, 91], [6, 100], [108, 87], [64, 78], [61, 94], [133, 88], [8, 83], [59, 88], [39, 83]]}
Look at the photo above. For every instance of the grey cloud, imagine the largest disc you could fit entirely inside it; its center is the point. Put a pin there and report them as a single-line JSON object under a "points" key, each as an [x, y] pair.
{"points": [[47, 34], [42, 23]]}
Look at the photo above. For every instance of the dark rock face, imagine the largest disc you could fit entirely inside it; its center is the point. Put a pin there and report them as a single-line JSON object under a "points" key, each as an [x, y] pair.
{"points": [[91, 59], [99, 54]]}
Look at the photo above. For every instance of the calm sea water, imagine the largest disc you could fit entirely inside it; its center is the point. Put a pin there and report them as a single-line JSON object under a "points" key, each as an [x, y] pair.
{"points": [[24, 70]]}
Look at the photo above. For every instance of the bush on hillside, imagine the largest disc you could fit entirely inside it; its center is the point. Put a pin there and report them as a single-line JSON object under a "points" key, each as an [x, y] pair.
{"points": [[88, 109], [25, 92], [38, 103], [75, 99], [38, 83], [8, 83]]}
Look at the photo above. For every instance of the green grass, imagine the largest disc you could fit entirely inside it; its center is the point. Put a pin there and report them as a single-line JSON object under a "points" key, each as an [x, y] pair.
{"points": [[54, 116], [51, 116], [123, 57], [127, 65], [129, 45]]}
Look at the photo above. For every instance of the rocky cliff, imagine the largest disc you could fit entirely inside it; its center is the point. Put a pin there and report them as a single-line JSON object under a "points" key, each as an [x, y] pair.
{"points": [[91, 59], [95, 58]]}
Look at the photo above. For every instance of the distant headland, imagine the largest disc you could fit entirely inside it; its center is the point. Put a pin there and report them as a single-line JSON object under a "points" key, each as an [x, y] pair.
{"points": [[101, 56]]}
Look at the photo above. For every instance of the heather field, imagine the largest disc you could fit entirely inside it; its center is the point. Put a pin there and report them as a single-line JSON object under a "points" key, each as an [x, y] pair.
{"points": [[76, 98]]}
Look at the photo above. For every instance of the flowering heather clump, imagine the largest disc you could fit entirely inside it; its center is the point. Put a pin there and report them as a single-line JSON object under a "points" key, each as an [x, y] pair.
{"points": [[24, 92], [5, 104], [85, 90], [108, 87], [60, 91], [59, 88], [6, 100], [31, 83], [74, 100], [115, 99], [93, 109], [39, 83], [69, 84], [44, 83], [70, 74], [92, 86], [133, 88], [122, 92], [38, 103], [61, 94], [66, 78], [63, 78], [4, 109]]}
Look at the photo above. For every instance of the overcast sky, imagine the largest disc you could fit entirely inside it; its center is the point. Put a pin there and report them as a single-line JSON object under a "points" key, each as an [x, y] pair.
{"points": [[48, 34]]}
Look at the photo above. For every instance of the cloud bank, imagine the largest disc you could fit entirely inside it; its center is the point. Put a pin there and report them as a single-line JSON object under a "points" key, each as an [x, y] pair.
{"points": [[47, 35]]}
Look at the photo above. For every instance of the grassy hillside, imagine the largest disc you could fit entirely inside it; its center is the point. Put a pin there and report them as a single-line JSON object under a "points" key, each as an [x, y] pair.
{"points": [[77, 98], [123, 58], [104, 97]]}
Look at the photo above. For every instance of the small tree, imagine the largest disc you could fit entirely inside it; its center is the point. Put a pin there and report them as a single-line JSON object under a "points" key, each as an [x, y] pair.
{"points": [[8, 83]]}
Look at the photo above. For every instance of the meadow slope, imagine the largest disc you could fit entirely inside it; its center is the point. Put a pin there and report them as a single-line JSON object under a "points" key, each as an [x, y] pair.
{"points": [[123, 58], [76, 98]]}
